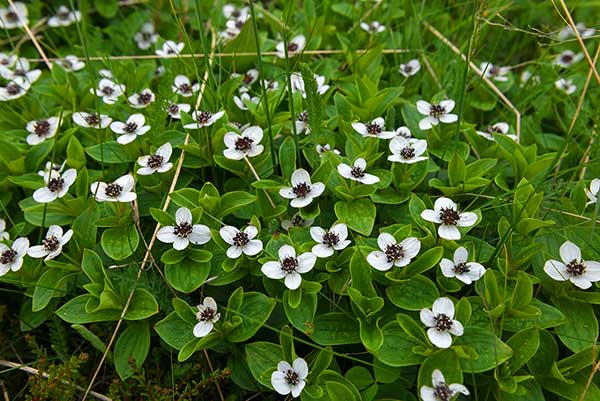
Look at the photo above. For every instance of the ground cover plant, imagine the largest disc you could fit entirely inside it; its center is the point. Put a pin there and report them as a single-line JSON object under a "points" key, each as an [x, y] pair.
{"points": [[323, 200]]}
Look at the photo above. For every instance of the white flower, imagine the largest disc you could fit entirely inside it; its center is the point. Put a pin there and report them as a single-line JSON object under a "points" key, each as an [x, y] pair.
{"points": [[357, 172], [231, 11], [373, 27], [14, 16], [207, 317], [404, 132], [184, 231], [296, 221], [159, 71], [467, 272], [4, 235], [244, 100], [411, 68], [289, 266], [328, 241], [566, 85], [40, 130], [91, 120], [146, 37], [56, 186], [183, 86], [104, 73], [301, 123], [592, 193], [290, 378], [436, 113], [71, 63], [498, 128], [131, 129], [568, 31], [407, 150], [567, 58], [270, 85], [246, 144], [441, 323], [494, 72], [11, 258], [7, 60], [580, 272], [21, 72], [321, 149], [233, 27], [120, 190], [297, 83], [241, 241], [51, 245], [302, 190], [375, 129], [157, 161], [393, 253], [141, 100], [204, 119], [109, 91], [441, 391], [14, 90], [527, 75], [447, 215], [170, 48], [64, 17], [249, 77], [295, 46], [49, 167], [175, 109]]}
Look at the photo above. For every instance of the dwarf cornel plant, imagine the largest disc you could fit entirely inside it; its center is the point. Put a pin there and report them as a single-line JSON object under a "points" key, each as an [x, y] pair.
{"points": [[324, 200]]}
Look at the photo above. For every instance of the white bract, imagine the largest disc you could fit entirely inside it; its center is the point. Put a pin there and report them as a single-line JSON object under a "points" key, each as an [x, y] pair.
{"points": [[184, 231], [497, 128], [436, 113], [14, 16], [146, 37], [246, 144], [4, 235], [290, 378], [568, 31], [566, 85], [297, 83], [289, 266], [467, 272], [393, 253], [407, 151], [175, 109], [11, 257], [372, 27], [183, 86], [52, 244], [567, 58], [120, 190], [56, 186], [109, 90], [301, 123], [328, 241], [411, 68], [446, 214], [49, 166], [244, 100], [170, 48], [592, 193], [241, 241], [294, 46], [441, 323], [580, 272], [207, 317], [441, 391], [40, 130], [64, 17], [157, 161], [204, 119], [322, 149], [494, 72], [231, 11], [141, 100], [21, 72], [250, 77], [356, 172], [131, 129], [71, 63], [404, 132], [375, 129], [14, 90], [91, 120], [302, 191]]}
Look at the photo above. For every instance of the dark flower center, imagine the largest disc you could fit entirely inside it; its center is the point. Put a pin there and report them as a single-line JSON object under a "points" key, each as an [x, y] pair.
{"points": [[566, 58], [292, 47], [407, 153], [55, 184], [155, 161], [292, 377], [357, 172], [576, 268], [13, 89], [146, 36], [298, 221], [394, 252], [20, 72], [303, 116], [92, 119], [185, 88], [41, 128], [407, 68], [8, 256], [130, 127], [374, 129], [107, 90], [461, 268], [449, 216], [243, 144], [63, 14], [301, 190], [113, 190], [330, 239], [12, 16], [492, 129], [144, 98], [436, 110], [5, 61], [206, 314], [240, 239], [442, 392], [50, 243], [289, 264], [248, 78], [183, 229], [203, 117], [173, 109], [67, 64], [239, 24], [494, 70], [443, 322]]}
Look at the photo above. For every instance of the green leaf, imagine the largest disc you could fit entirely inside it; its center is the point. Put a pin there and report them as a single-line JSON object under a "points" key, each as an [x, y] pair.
{"points": [[254, 311], [413, 294], [92, 266], [423, 263], [106, 8], [142, 305], [358, 215], [53, 283], [581, 329], [162, 217], [321, 362], [262, 358], [120, 243], [75, 153], [302, 317], [92, 338], [175, 331], [198, 344], [446, 361], [74, 311], [491, 350], [335, 328], [456, 170], [172, 256], [133, 344], [187, 275], [287, 157], [234, 200], [524, 344], [112, 152], [397, 347]]}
